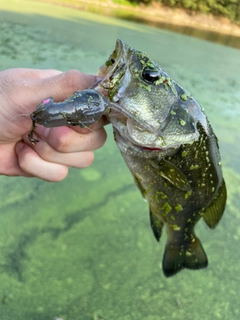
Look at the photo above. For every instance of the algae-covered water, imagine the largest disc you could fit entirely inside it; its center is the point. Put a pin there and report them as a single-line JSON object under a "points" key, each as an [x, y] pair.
{"points": [[82, 249]]}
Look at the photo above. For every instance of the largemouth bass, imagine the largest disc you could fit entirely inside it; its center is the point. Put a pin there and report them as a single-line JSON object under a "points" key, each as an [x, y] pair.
{"points": [[171, 151], [167, 142]]}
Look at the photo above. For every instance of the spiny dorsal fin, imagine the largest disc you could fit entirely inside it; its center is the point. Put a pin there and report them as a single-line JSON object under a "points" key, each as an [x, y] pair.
{"points": [[170, 172], [214, 212]]}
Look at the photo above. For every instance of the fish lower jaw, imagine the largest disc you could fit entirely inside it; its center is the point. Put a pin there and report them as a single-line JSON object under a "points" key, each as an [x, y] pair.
{"points": [[145, 148], [165, 151], [151, 149], [126, 141]]}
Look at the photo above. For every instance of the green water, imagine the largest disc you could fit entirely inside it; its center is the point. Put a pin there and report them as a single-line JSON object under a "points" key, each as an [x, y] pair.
{"points": [[82, 249]]}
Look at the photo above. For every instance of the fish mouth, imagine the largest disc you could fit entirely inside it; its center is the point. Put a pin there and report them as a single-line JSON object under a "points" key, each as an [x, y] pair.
{"points": [[112, 73], [151, 135], [137, 137], [125, 144], [116, 60], [133, 135]]}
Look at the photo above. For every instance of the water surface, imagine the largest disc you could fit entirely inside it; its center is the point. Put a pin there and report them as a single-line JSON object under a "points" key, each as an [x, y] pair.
{"points": [[83, 249]]}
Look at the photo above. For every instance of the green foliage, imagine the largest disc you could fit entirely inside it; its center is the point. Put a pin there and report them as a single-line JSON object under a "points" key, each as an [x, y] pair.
{"points": [[124, 2], [141, 1], [227, 8]]}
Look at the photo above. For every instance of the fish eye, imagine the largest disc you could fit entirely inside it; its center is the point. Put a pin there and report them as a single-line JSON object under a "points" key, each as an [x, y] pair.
{"points": [[150, 75]]}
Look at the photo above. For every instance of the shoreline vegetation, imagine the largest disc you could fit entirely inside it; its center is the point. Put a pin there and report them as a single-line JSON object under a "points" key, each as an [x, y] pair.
{"points": [[156, 14]]}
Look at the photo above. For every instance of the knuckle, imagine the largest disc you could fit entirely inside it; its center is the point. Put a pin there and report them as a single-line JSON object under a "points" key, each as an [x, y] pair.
{"points": [[11, 85], [72, 79], [62, 143], [60, 174], [103, 137], [75, 80], [88, 159], [100, 138], [23, 163], [59, 139]]}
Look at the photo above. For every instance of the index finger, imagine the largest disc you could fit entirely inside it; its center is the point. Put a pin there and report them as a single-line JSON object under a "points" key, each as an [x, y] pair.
{"points": [[103, 121]]}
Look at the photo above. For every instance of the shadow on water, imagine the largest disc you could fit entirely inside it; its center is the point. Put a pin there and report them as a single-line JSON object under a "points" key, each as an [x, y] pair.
{"points": [[213, 36], [193, 31]]}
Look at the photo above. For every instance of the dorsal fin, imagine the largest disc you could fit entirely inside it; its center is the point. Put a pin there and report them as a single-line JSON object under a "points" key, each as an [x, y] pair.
{"points": [[214, 211]]}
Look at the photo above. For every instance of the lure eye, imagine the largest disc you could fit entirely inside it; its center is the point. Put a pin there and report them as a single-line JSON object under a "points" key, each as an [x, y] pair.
{"points": [[150, 75]]}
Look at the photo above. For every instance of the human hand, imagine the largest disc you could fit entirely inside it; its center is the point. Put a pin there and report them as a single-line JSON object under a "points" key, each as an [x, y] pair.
{"points": [[21, 90]]}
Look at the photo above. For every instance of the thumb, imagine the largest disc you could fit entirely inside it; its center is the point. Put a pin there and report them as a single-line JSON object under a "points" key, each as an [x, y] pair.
{"points": [[26, 94], [61, 86]]}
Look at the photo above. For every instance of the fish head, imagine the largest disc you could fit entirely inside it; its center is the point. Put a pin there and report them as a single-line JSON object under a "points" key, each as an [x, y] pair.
{"points": [[147, 108]]}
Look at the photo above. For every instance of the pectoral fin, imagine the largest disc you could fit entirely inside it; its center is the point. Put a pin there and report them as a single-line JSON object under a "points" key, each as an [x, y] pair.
{"points": [[170, 172], [139, 185], [214, 212]]}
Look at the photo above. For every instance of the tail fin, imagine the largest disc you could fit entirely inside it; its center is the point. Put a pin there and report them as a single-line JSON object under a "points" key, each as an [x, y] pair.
{"points": [[190, 256]]}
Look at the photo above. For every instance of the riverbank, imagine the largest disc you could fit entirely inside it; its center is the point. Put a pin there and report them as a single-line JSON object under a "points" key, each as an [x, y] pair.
{"points": [[155, 15]]}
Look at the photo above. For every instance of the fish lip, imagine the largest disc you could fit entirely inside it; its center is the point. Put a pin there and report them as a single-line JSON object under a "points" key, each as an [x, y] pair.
{"points": [[105, 72], [152, 149], [155, 152], [143, 148], [121, 50], [146, 149]]}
